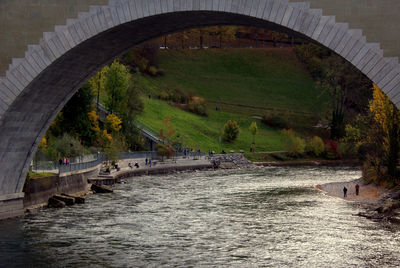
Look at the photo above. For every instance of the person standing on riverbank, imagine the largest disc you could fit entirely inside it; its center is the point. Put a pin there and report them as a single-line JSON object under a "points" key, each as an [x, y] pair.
{"points": [[344, 191], [357, 189]]}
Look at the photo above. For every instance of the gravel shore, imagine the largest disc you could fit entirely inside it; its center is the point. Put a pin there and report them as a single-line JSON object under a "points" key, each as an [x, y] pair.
{"points": [[369, 193], [378, 203]]}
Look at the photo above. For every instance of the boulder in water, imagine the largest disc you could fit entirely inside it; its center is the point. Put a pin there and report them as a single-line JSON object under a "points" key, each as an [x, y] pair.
{"points": [[55, 203], [101, 189], [78, 199], [69, 201]]}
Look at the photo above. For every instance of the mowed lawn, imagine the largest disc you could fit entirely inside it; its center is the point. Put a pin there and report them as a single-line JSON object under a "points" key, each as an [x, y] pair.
{"points": [[269, 78], [242, 83], [204, 133]]}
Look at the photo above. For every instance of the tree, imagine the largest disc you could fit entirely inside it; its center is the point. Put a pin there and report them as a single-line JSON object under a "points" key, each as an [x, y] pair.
{"points": [[387, 119], [113, 123], [349, 88], [166, 147], [134, 106], [115, 146], [97, 83], [74, 118], [231, 131], [253, 130], [117, 82], [64, 146]]}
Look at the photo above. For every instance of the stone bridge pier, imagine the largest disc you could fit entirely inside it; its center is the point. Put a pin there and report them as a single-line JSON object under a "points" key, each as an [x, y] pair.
{"points": [[49, 48]]}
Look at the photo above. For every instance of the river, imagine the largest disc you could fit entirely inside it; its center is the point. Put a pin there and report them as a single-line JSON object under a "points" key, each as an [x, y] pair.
{"points": [[267, 217]]}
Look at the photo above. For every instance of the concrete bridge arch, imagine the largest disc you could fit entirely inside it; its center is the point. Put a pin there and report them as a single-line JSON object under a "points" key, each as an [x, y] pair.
{"points": [[37, 86]]}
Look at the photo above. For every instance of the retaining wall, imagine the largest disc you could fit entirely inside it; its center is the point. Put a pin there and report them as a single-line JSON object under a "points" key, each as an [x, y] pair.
{"points": [[38, 191]]}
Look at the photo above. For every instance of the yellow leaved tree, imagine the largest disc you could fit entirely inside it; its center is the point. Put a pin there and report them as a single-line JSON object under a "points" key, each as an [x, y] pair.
{"points": [[387, 121]]}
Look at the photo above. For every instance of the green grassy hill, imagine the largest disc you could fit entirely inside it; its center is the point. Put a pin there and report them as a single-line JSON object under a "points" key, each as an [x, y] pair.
{"points": [[243, 83], [204, 133], [267, 78]]}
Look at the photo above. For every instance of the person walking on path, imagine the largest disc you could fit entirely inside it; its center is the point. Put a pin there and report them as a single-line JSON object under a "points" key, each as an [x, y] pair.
{"points": [[149, 162], [345, 192], [357, 189]]}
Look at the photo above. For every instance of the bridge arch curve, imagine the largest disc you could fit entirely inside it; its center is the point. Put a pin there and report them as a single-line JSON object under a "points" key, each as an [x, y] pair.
{"points": [[36, 87]]}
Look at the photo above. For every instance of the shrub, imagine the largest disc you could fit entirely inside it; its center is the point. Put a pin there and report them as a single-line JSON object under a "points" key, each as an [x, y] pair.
{"points": [[231, 131], [294, 144], [197, 105], [315, 146], [142, 64], [153, 71], [332, 149], [179, 96], [64, 146], [347, 150], [164, 95], [275, 121]]}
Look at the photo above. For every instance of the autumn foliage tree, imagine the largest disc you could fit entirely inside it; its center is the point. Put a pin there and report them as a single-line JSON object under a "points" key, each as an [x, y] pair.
{"points": [[166, 147], [386, 123], [231, 131]]}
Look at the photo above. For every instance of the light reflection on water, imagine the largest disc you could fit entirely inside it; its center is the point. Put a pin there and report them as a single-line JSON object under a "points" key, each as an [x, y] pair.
{"points": [[237, 218]]}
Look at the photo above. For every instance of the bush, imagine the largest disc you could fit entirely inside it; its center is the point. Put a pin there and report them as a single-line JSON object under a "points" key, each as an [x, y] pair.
{"points": [[347, 150], [275, 121], [153, 71], [179, 96], [294, 144], [231, 131], [315, 146], [197, 105], [164, 95], [65, 146], [332, 150]]}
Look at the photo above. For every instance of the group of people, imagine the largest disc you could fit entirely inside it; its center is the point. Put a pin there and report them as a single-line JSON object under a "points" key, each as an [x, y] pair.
{"points": [[357, 187], [130, 165], [148, 162], [136, 165], [63, 161]]}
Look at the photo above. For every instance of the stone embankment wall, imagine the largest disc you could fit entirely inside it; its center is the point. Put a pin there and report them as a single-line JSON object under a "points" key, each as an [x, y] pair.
{"points": [[230, 161], [38, 191]]}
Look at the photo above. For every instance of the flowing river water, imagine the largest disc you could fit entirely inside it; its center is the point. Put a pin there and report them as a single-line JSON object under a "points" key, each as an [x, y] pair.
{"points": [[266, 217]]}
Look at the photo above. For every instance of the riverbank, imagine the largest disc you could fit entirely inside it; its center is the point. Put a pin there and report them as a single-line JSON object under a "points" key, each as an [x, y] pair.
{"points": [[369, 193], [304, 163], [377, 202]]}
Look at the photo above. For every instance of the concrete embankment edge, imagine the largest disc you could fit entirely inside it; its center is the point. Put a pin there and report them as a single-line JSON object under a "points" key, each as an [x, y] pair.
{"points": [[117, 177], [38, 191]]}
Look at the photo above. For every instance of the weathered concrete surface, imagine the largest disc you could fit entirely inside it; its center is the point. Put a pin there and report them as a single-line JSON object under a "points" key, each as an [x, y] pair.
{"points": [[22, 22], [37, 86], [38, 191], [378, 19]]}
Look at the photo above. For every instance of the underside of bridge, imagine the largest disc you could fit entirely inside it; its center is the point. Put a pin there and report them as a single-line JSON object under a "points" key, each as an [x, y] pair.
{"points": [[37, 87]]}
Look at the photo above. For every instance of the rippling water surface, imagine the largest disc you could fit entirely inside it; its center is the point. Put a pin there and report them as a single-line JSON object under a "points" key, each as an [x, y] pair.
{"points": [[237, 218]]}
